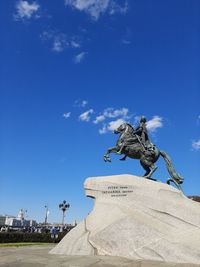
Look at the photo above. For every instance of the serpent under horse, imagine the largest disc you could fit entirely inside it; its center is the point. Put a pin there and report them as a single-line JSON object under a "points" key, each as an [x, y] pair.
{"points": [[147, 157]]}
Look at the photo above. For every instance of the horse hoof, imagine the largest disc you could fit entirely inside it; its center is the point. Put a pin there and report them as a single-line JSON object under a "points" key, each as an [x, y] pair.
{"points": [[106, 159]]}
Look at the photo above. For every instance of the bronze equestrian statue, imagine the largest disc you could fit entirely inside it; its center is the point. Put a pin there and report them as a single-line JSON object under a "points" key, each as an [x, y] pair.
{"points": [[135, 144]]}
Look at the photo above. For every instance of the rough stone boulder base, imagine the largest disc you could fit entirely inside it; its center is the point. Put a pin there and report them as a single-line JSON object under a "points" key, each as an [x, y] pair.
{"points": [[136, 218]]}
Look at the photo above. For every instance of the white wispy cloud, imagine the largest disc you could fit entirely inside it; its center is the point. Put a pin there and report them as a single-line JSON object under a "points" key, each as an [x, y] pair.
{"points": [[155, 123], [60, 41], [121, 115], [95, 8], [75, 44], [116, 8], [115, 124], [103, 130], [112, 113], [86, 115], [111, 118], [66, 115], [58, 44], [111, 126], [80, 103], [196, 145], [78, 58], [84, 103], [98, 119], [26, 10]]}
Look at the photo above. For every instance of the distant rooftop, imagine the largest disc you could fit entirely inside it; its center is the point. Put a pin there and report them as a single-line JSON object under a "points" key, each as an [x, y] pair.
{"points": [[7, 215]]}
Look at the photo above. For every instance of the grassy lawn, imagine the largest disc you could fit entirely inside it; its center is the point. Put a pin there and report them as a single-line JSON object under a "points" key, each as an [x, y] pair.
{"points": [[22, 244]]}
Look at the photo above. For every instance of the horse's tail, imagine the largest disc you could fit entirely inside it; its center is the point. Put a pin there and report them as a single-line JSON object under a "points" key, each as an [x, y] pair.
{"points": [[174, 175]]}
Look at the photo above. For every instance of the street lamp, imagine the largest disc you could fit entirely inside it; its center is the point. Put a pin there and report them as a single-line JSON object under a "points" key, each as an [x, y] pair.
{"points": [[46, 214], [63, 206]]}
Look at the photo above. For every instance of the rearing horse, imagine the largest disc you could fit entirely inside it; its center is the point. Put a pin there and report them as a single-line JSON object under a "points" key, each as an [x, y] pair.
{"points": [[129, 144]]}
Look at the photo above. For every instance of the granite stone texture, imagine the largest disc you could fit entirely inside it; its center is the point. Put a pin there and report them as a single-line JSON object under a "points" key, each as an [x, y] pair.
{"points": [[136, 218], [38, 256]]}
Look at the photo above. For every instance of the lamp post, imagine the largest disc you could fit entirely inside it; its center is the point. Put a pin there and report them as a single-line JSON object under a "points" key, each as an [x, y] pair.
{"points": [[63, 206], [46, 214]]}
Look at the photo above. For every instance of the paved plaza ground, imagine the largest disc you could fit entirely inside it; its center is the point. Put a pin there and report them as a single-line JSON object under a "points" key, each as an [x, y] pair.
{"points": [[37, 256]]}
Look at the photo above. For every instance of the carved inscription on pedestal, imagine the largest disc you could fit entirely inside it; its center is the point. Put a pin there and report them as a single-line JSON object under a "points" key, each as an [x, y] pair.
{"points": [[117, 191]]}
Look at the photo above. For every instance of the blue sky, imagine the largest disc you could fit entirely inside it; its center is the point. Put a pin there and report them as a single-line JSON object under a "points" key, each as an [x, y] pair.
{"points": [[73, 70]]}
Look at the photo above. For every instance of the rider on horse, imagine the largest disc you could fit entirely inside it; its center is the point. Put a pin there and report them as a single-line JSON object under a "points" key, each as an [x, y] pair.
{"points": [[142, 137], [135, 144]]}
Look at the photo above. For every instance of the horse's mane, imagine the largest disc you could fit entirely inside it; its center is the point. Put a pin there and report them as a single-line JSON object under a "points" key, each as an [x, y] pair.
{"points": [[131, 126]]}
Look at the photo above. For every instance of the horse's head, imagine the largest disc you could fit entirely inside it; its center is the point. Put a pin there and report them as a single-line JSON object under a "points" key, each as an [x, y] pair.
{"points": [[121, 128]]}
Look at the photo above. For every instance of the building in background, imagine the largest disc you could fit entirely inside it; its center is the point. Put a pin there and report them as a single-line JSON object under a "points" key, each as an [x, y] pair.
{"points": [[18, 221]]}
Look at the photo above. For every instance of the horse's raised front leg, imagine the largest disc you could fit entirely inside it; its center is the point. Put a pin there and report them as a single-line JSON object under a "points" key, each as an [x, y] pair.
{"points": [[106, 157]]}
